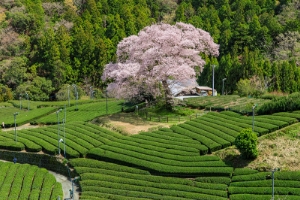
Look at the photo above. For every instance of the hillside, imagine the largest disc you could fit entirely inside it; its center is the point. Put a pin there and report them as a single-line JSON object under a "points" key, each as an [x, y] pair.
{"points": [[46, 44], [194, 158]]}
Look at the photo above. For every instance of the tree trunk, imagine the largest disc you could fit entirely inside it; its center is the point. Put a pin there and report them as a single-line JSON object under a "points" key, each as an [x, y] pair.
{"points": [[168, 96]]}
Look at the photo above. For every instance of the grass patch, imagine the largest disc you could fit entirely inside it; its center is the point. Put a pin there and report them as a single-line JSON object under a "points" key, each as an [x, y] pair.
{"points": [[128, 123], [278, 149], [177, 110]]}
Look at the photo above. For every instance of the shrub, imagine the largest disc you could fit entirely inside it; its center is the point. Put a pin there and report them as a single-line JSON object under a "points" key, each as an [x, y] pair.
{"points": [[246, 142]]}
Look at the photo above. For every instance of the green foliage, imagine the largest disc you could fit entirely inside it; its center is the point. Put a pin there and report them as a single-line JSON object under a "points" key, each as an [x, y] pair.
{"points": [[23, 180], [246, 142], [5, 94], [281, 104], [73, 47], [244, 88], [39, 89], [225, 102]]}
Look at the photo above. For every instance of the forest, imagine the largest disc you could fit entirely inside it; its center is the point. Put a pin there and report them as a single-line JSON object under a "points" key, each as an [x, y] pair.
{"points": [[48, 45]]}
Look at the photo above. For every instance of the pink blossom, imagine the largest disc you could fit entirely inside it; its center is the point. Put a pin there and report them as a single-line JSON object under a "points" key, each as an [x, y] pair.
{"points": [[159, 53]]}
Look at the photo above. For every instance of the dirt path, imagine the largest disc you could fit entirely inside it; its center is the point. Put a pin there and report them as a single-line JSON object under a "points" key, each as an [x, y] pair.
{"points": [[130, 129], [25, 126], [66, 186]]}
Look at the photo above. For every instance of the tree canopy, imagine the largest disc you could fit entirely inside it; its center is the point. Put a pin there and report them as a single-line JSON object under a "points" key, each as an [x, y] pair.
{"points": [[71, 44], [158, 54]]}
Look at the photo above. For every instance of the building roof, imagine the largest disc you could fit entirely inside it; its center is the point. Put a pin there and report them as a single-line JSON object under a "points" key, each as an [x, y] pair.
{"points": [[203, 88]]}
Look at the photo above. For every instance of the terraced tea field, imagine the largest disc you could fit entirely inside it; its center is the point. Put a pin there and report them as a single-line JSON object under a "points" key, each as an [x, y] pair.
{"points": [[168, 163], [23, 181]]}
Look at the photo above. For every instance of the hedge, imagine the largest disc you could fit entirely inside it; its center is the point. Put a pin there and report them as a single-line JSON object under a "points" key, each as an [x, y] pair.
{"points": [[171, 136], [84, 112], [289, 120], [57, 191], [41, 160], [251, 177], [30, 146], [155, 157], [152, 178], [261, 197], [264, 190], [22, 181], [75, 136], [145, 186], [167, 144], [49, 143], [129, 190], [89, 195], [25, 192], [12, 145], [248, 120], [16, 185], [288, 114], [278, 123], [212, 145], [91, 163], [267, 183], [153, 151], [123, 195], [181, 149], [48, 184], [212, 130], [212, 119], [158, 167], [218, 117], [25, 117], [244, 171], [8, 180], [204, 133], [211, 123], [215, 180], [282, 175], [74, 143]]}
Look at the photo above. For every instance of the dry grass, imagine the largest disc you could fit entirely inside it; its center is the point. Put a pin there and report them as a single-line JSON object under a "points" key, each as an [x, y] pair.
{"points": [[279, 149], [70, 3], [2, 14], [129, 123]]}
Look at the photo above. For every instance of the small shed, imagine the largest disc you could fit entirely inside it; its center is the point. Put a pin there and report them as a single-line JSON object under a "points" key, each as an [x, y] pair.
{"points": [[200, 90], [189, 87]]}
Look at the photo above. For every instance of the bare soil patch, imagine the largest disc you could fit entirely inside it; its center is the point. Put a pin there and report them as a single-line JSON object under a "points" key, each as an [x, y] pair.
{"points": [[131, 129], [129, 123]]}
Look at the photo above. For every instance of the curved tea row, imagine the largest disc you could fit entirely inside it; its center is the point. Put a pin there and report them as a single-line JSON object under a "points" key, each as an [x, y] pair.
{"points": [[23, 181]]}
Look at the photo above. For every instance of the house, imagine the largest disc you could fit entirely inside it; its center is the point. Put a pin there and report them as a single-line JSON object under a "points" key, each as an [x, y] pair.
{"points": [[189, 88], [201, 90]]}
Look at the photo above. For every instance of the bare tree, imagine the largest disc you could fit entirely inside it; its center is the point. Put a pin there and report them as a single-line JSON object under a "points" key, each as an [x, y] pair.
{"points": [[288, 47]]}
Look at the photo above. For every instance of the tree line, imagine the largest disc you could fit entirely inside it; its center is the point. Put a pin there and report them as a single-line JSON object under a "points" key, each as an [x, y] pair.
{"points": [[48, 44]]}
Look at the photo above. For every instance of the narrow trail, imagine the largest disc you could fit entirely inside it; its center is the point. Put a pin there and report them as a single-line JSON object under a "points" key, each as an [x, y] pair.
{"points": [[66, 186], [25, 126]]}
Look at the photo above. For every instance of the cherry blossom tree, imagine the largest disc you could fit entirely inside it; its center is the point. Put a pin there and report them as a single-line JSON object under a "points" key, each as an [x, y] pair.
{"points": [[148, 62]]}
